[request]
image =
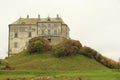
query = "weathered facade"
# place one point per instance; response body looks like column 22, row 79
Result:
column 52, row 29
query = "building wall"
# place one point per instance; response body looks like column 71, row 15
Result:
column 49, row 29
column 55, row 32
column 65, row 31
column 19, row 42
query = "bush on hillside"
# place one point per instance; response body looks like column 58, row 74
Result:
column 108, row 62
column 87, row 51
column 68, row 47
column 37, row 45
column 0, row 61
column 91, row 53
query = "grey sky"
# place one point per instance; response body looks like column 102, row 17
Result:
column 96, row 23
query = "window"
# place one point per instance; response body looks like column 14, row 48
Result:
column 55, row 32
column 23, row 23
column 16, row 35
column 29, row 28
column 43, row 25
column 42, row 32
column 55, row 25
column 21, row 29
column 15, row 44
column 29, row 34
column 48, row 25
column 48, row 31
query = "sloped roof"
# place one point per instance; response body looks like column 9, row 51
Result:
column 35, row 20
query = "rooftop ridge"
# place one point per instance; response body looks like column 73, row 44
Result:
column 35, row 20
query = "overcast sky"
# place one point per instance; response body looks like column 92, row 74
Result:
column 96, row 23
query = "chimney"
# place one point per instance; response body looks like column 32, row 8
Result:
column 27, row 16
column 57, row 16
column 38, row 16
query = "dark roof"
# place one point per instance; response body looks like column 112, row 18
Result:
column 35, row 20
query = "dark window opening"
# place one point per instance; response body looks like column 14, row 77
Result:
column 48, row 25
column 29, row 34
column 16, row 35
column 55, row 32
column 49, row 32
column 49, row 40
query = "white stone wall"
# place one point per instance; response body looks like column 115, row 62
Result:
column 49, row 26
column 22, row 37
column 65, row 31
column 62, row 32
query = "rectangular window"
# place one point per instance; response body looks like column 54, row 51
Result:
column 15, row 45
column 42, row 32
column 29, row 34
column 21, row 29
column 48, row 31
column 29, row 28
column 16, row 35
column 48, row 25
column 55, row 25
column 55, row 32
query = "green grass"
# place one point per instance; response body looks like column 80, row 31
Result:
column 62, row 75
column 47, row 62
column 67, row 68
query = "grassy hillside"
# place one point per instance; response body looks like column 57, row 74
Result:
column 70, row 61
column 43, row 66
column 47, row 62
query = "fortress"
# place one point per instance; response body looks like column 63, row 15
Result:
column 23, row 29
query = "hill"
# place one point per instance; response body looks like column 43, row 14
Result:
column 47, row 62
column 68, row 60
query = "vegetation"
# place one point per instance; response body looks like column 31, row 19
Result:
column 60, row 75
column 37, row 45
column 72, row 47
column 47, row 62
column 58, row 63
column 68, row 47
column 91, row 53
column 75, row 67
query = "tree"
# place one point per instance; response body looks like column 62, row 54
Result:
column 37, row 45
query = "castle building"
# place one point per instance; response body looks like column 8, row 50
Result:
column 23, row 29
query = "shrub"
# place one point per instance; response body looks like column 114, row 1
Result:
column 108, row 62
column 67, row 48
column 37, row 45
column 59, row 52
column 91, row 53
column 0, row 61
column 88, row 52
